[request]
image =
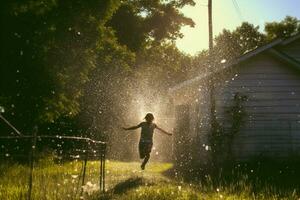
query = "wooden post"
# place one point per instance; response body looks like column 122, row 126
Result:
column 211, row 84
column 102, row 151
column 212, row 92
column 101, row 167
column 103, row 176
column 31, row 161
column 84, row 167
column 210, row 27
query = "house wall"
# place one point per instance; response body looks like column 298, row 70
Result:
column 272, row 122
column 272, row 126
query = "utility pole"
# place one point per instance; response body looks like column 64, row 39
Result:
column 210, row 28
column 211, row 68
column 213, row 119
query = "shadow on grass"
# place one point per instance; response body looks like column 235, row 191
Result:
column 170, row 173
column 128, row 184
column 124, row 186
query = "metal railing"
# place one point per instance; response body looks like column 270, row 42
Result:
column 87, row 152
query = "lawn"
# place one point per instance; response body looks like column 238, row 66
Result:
column 124, row 181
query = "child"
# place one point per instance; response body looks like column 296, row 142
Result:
column 146, row 139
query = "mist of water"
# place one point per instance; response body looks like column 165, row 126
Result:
column 119, row 102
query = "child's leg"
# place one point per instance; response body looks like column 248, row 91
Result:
column 146, row 159
column 147, row 149
column 142, row 150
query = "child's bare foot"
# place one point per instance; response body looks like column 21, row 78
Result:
column 143, row 167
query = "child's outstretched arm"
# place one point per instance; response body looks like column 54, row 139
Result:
column 131, row 128
column 163, row 131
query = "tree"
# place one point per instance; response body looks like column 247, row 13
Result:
column 229, row 45
column 139, row 23
column 47, row 52
column 69, row 65
column 287, row 27
column 249, row 37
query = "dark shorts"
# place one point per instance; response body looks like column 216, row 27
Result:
column 145, row 149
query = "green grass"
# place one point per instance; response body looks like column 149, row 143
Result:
column 124, row 181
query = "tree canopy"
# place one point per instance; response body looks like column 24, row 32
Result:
column 287, row 27
column 58, row 55
column 246, row 37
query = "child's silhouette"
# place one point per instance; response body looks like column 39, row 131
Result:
column 146, row 139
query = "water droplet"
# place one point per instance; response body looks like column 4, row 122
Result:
column 207, row 148
column 74, row 176
column 2, row 110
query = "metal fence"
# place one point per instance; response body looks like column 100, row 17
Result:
column 87, row 149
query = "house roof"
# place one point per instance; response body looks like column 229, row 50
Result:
column 267, row 47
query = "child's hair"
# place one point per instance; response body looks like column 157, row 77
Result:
column 149, row 117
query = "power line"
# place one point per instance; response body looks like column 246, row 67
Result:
column 238, row 10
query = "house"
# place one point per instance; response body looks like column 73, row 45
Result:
column 264, row 85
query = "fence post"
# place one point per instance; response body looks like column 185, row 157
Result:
column 103, row 170
column 84, row 167
column 31, row 160
column 101, row 166
column 102, row 151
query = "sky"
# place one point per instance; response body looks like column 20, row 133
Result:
column 225, row 15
